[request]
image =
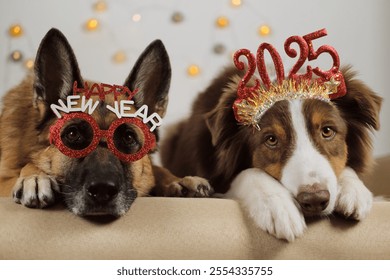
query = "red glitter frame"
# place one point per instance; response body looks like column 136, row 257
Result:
column 55, row 137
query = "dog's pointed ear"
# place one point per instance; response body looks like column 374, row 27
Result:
column 55, row 69
column 151, row 75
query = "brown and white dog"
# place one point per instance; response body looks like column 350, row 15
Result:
column 33, row 170
column 305, row 161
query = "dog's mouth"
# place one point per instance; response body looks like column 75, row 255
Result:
column 115, row 209
column 85, row 204
column 312, row 214
column 112, row 211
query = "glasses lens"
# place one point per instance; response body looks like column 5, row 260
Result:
column 77, row 134
column 128, row 138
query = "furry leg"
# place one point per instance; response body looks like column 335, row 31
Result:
column 168, row 184
column 354, row 199
column 268, row 203
column 34, row 188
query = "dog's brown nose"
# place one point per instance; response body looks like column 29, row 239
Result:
column 102, row 191
column 313, row 201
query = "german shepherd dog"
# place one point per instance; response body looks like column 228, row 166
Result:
column 34, row 171
column 305, row 161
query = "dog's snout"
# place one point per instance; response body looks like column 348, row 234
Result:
column 102, row 191
column 313, row 201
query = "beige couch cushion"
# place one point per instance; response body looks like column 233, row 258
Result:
column 182, row 228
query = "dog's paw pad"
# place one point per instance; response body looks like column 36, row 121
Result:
column 192, row 186
column 36, row 191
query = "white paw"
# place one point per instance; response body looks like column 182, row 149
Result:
column 268, row 203
column 35, row 191
column 354, row 199
column 280, row 217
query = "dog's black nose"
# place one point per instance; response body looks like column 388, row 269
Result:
column 102, row 191
column 314, row 202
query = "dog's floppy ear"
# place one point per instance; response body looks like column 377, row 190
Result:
column 229, row 140
column 55, row 69
column 151, row 75
column 216, row 121
column 360, row 108
column 220, row 119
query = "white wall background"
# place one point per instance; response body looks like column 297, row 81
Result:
column 358, row 29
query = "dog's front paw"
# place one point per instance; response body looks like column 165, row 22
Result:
column 189, row 186
column 268, row 203
column 280, row 217
column 36, row 191
column 354, row 199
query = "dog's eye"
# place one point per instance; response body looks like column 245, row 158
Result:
column 72, row 134
column 129, row 138
column 126, row 140
column 77, row 135
column 327, row 133
column 271, row 141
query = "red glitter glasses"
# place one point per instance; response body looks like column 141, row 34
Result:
column 77, row 134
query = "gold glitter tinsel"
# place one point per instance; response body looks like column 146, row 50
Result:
column 250, row 110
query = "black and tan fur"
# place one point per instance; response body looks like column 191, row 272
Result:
column 33, row 171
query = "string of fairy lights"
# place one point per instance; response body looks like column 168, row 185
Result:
column 94, row 24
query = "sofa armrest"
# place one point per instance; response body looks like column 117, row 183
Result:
column 183, row 228
column 378, row 180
